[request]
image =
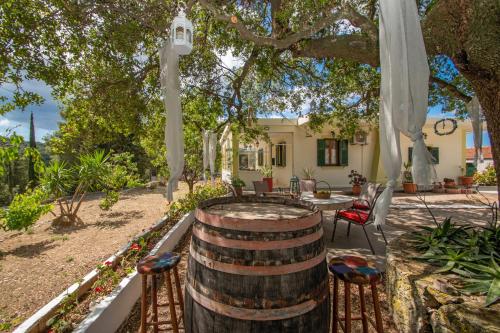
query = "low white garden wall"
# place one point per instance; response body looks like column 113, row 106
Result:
column 112, row 310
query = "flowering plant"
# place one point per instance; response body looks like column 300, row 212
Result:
column 356, row 178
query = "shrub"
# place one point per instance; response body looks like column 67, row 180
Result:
column 191, row 200
column 24, row 210
column 488, row 177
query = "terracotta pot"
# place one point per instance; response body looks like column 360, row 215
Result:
column 453, row 191
column 466, row 191
column 466, row 180
column 269, row 181
column 356, row 189
column 410, row 187
column 450, row 185
column 239, row 191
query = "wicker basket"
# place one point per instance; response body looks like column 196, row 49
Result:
column 322, row 195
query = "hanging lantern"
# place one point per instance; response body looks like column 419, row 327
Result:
column 295, row 186
column 181, row 34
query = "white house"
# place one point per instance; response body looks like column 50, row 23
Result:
column 294, row 147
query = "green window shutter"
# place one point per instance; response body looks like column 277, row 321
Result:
column 321, row 152
column 344, row 152
column 410, row 154
column 435, row 154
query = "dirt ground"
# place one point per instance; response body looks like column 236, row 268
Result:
column 38, row 265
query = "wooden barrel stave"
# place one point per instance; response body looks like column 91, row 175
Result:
column 234, row 285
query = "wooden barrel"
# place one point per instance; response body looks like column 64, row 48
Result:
column 257, row 265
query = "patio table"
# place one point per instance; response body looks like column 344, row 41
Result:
column 335, row 202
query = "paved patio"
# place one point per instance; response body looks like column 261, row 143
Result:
column 405, row 215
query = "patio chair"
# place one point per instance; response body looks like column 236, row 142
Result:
column 260, row 188
column 358, row 217
column 367, row 197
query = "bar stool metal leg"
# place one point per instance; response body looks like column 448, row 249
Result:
column 364, row 319
column 335, row 323
column 171, row 303
column 154, row 301
column 376, row 306
column 347, row 296
column 144, row 303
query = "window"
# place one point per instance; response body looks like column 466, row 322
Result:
column 433, row 150
column 260, row 157
column 332, row 152
column 280, row 158
column 247, row 159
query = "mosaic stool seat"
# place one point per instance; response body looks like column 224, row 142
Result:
column 360, row 272
column 354, row 270
column 156, row 266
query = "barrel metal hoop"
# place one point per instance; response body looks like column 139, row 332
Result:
column 257, row 245
column 256, row 270
column 258, row 225
column 256, row 314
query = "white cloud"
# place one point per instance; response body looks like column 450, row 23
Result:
column 4, row 122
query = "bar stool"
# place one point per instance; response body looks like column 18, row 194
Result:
column 154, row 266
column 361, row 272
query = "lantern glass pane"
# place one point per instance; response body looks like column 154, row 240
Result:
column 179, row 32
column 189, row 37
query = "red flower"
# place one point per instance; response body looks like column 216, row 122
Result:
column 108, row 263
column 135, row 247
column 98, row 289
column 50, row 331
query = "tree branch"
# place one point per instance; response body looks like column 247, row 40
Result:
column 280, row 44
column 451, row 88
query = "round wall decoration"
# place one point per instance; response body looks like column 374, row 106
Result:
column 445, row 126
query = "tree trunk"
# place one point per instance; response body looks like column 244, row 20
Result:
column 488, row 93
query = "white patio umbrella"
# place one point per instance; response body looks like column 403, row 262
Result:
column 474, row 109
column 403, row 93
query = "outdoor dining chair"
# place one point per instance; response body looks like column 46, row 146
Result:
column 358, row 217
column 367, row 197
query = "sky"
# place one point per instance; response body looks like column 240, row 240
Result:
column 47, row 115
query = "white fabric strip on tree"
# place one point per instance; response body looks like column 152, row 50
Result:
column 474, row 109
column 404, row 93
column 212, row 155
column 206, row 158
column 174, row 136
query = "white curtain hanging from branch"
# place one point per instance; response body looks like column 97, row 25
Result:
column 403, row 94
column 206, row 158
column 474, row 109
column 174, row 136
column 212, row 153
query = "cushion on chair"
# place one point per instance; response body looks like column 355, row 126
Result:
column 354, row 269
column 158, row 263
column 360, row 205
column 356, row 216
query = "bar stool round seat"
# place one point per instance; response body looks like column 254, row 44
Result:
column 354, row 270
column 157, row 264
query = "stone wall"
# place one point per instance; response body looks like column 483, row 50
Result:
column 422, row 302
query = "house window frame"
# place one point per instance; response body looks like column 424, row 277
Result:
column 280, row 154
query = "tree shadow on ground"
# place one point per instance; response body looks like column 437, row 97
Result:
column 111, row 221
column 68, row 229
column 31, row 250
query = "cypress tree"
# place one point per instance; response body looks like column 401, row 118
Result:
column 31, row 164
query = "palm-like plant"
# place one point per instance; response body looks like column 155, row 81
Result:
column 88, row 175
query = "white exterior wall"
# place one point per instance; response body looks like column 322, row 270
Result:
column 301, row 153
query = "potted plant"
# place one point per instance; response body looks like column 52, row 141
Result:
column 267, row 173
column 438, row 187
column 467, row 180
column 238, row 185
column 449, row 183
column 308, row 183
column 408, row 185
column 356, row 180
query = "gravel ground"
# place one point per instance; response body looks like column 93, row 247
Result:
column 38, row 265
